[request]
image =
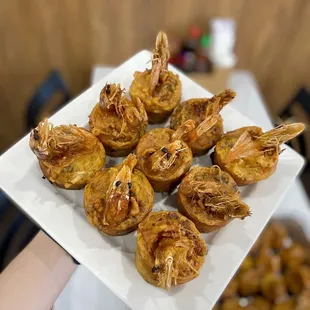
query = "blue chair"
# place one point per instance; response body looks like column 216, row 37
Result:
column 36, row 106
column 43, row 94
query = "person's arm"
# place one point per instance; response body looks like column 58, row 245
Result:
column 36, row 277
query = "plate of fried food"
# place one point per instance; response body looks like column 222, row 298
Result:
column 155, row 185
column 275, row 275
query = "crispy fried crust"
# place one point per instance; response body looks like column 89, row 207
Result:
column 205, row 113
column 75, row 171
column 118, row 122
column 170, row 250
column 158, row 88
column 249, row 155
column 119, row 136
column 166, row 96
column 114, row 206
column 245, row 170
column 209, row 197
column 185, row 111
column 151, row 144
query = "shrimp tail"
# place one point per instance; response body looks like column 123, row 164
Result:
column 217, row 102
column 159, row 61
column 280, row 135
column 207, row 124
column 165, row 277
column 243, row 147
column 130, row 161
column 185, row 132
column 139, row 111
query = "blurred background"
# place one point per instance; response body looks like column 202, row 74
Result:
column 272, row 42
column 53, row 50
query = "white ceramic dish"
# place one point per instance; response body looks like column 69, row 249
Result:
column 111, row 259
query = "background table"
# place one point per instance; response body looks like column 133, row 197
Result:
column 85, row 291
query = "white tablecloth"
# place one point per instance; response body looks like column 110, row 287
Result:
column 85, row 291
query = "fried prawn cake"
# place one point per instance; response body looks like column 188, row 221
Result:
column 293, row 256
column 208, row 122
column 249, row 155
column 68, row 155
column 159, row 89
column 170, row 250
column 118, row 122
column 297, row 279
column 275, row 236
column 273, row 286
column 164, row 157
column 249, row 282
column 209, row 197
column 117, row 199
column 268, row 261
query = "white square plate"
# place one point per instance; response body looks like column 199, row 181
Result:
column 111, row 259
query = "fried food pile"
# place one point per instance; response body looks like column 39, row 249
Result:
column 117, row 199
column 210, row 198
column 250, row 155
column 68, row 155
column 158, row 88
column 118, row 122
column 208, row 122
column 170, row 250
column 164, row 157
column 274, row 276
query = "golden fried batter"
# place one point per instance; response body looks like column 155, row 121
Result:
column 274, row 237
column 117, row 199
column 170, row 250
column 249, row 155
column 209, row 197
column 298, row 279
column 68, row 155
column 293, row 256
column 158, row 88
column 208, row 122
column 267, row 261
column 279, row 235
column 118, row 122
column 249, row 282
column 274, row 276
column 163, row 157
column 273, row 286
